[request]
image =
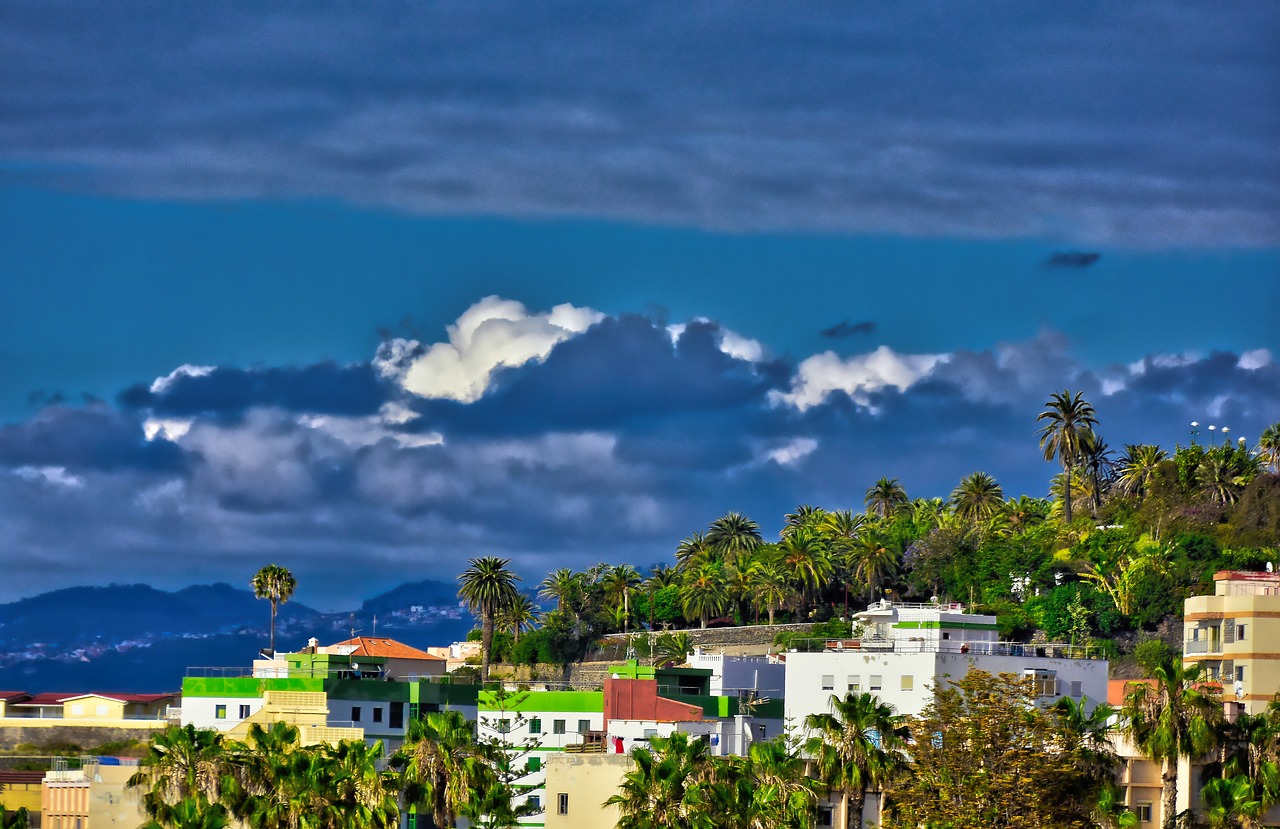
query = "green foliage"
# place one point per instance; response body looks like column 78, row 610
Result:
column 1151, row 653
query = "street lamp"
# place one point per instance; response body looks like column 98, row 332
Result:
column 1195, row 432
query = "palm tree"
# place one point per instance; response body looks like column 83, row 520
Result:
column 1217, row 477
column 673, row 646
column 804, row 516
column 1067, row 417
column 692, row 551
column 978, row 497
column 1251, row 749
column 767, row 789
column 188, row 813
column 806, row 558
column 1025, row 512
column 885, row 497
column 277, row 584
column 182, row 763
column 617, row 584
column 517, row 616
column 1087, row 732
column 669, row 788
column 1137, row 468
column 1230, row 802
column 873, row 565
column 856, row 747
column 357, row 795
column 442, row 767
column 734, row 535
column 562, row 585
column 661, row 575
column 487, row 586
column 770, row 585
column 1095, row 455
column 1171, row 719
column 703, row 593
column 1269, row 447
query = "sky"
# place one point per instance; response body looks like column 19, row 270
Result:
column 367, row 291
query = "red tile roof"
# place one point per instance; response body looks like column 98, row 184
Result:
column 145, row 699
column 8, row 696
column 381, row 646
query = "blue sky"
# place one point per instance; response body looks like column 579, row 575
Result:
column 451, row 280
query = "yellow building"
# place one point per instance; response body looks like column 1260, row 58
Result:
column 577, row 787
column 1235, row 635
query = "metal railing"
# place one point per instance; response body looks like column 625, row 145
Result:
column 1193, row 646
column 1046, row 650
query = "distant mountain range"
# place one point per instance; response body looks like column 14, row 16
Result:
column 135, row 638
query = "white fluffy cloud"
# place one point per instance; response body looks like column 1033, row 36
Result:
column 857, row 376
column 730, row 342
column 493, row 333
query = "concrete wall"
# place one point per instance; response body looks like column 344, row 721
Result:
column 587, row 781
column 17, row 731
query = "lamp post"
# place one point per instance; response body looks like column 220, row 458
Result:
column 1226, row 441
column 1195, row 432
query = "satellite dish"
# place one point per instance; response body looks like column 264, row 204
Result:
column 355, row 666
column 1239, row 690
column 1271, row 568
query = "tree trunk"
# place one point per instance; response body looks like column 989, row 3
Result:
column 853, row 818
column 771, row 614
column 486, row 642
column 1169, row 798
column 273, row 628
column 1066, row 493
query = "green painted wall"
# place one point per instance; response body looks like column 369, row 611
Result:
column 552, row 701
column 244, row 686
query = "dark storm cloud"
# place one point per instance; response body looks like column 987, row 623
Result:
column 618, row 428
column 95, row 438
column 844, row 328
column 324, row 388
column 1072, row 259
column 1144, row 123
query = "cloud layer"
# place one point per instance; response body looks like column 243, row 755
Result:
column 562, row 437
column 1143, row 123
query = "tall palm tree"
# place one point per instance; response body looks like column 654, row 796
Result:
column 1229, row 802
column 562, row 585
column 873, row 565
column 1171, row 719
column 770, row 585
column 517, row 616
column 767, row 789
column 703, row 593
column 182, row 763
column 1137, row 468
column 1087, row 731
column 487, row 586
column 356, row 794
column 1067, row 416
column 734, row 536
column 693, row 551
column 188, row 813
column 276, row 584
column 661, row 575
column 1096, row 458
column 1218, row 479
column 669, row 787
column 1269, row 447
column 618, row 583
column 857, row 746
column 978, row 497
column 804, row 516
column 442, row 767
column 806, row 557
column 885, row 497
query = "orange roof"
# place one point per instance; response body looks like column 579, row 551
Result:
column 380, row 646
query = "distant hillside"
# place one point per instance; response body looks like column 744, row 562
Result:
column 135, row 638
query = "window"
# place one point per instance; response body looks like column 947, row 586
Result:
column 1076, row 688
column 244, row 712
column 876, row 682
column 77, row 710
column 219, row 712
column 1045, row 682
column 584, row 726
column 535, row 764
column 535, row 802
column 377, row 714
column 557, row 726
column 1143, row 810
column 397, row 715
column 101, row 710
column 853, row 684
column 1240, row 633
column 908, row 683
column 760, row 731
column 824, row 816
column 355, row 713
column 502, row 726
column 562, row 803
column 1239, row 673
column 535, row 726
column 946, row 634
column 828, row 682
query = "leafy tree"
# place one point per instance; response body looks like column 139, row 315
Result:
column 487, row 586
column 1172, row 718
column 1066, row 418
column 856, row 747
column 275, row 584
column 985, row 756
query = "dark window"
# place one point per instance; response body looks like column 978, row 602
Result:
column 535, row 802
column 562, row 803
column 244, row 712
column 535, row 726
column 220, row 712
column 584, row 726
column 535, row 764
column 377, row 714
column 397, row 715
column 557, row 726
column 355, row 713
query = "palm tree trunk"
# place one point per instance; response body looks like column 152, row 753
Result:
column 486, row 642
column 771, row 613
column 273, row 627
column 853, row 819
column 1066, row 493
column 1169, row 797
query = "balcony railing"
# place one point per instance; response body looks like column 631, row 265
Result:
column 1194, row 646
column 873, row 644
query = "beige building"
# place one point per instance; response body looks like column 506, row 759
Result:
column 1235, row 635
column 577, row 787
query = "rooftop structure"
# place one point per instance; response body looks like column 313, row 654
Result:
column 1232, row 634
